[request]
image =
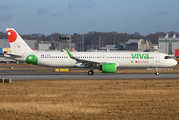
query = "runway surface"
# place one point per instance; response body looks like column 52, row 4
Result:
column 84, row 76
column 28, row 72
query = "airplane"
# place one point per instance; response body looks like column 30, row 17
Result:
column 107, row 62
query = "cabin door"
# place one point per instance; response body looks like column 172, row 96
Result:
column 157, row 57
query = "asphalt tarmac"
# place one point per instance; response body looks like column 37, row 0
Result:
column 28, row 72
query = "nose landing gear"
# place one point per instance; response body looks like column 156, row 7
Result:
column 156, row 71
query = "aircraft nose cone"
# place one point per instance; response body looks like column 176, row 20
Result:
column 174, row 62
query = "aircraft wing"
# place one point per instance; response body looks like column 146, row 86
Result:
column 85, row 63
column 9, row 55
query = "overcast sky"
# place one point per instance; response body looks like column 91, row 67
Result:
column 83, row 16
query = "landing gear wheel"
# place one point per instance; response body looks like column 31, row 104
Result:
column 156, row 73
column 91, row 72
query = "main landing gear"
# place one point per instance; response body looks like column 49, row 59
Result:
column 91, row 72
column 156, row 71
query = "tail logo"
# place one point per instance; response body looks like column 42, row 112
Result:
column 32, row 59
column 12, row 36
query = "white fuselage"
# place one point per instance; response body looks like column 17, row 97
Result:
column 122, row 59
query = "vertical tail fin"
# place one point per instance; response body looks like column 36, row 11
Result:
column 17, row 44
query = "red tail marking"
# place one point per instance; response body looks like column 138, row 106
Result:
column 12, row 36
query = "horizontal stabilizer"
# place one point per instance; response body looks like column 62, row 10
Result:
column 12, row 55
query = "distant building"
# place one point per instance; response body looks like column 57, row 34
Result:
column 168, row 44
column 45, row 45
column 65, row 42
column 135, row 45
column 151, row 47
column 64, row 45
column 4, row 43
column 112, row 47
column 42, row 45
column 139, row 45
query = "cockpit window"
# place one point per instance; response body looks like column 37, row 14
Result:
column 167, row 57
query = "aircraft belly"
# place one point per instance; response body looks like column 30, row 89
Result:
column 55, row 63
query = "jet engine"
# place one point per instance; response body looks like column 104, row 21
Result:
column 108, row 67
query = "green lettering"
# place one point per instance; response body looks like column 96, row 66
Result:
column 137, row 56
column 133, row 56
column 146, row 56
column 141, row 56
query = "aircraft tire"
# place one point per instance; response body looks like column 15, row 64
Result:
column 156, row 73
column 91, row 72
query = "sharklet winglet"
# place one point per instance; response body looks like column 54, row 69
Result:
column 69, row 54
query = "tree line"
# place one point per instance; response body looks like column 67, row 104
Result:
column 92, row 38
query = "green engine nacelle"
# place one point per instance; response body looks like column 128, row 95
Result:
column 108, row 68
